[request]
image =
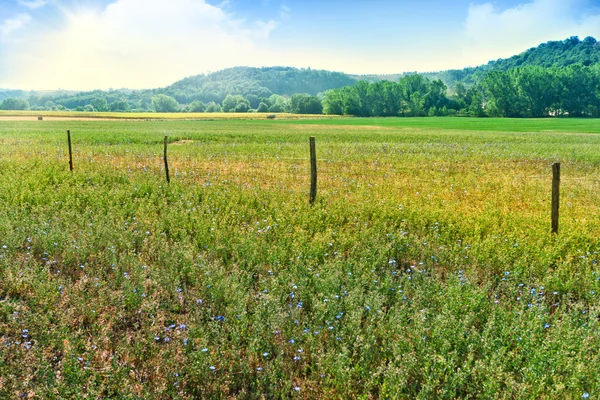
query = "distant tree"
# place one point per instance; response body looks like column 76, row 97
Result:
column 242, row 105
column 333, row 102
column 254, row 100
column 213, row 107
column 100, row 104
column 120, row 106
column 229, row 103
column 475, row 102
column 14, row 104
column 197, row 107
column 577, row 90
column 89, row 108
column 278, row 104
column 501, row 94
column 305, row 104
column 263, row 107
column 164, row 103
column 277, row 108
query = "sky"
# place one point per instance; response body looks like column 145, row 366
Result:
column 102, row 44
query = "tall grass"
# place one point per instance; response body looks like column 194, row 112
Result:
column 424, row 270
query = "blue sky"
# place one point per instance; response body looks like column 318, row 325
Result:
column 85, row 44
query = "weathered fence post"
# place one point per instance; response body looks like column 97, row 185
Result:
column 555, row 196
column 166, row 162
column 70, row 151
column 313, row 170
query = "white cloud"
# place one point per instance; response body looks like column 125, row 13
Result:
column 33, row 4
column 13, row 24
column 136, row 44
column 491, row 33
column 265, row 28
column 284, row 13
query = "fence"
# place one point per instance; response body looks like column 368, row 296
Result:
column 555, row 204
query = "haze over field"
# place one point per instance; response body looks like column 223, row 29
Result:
column 83, row 44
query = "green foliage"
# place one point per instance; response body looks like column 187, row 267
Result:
column 277, row 103
column 100, row 104
column 540, row 82
column 243, row 105
column 540, row 92
column 413, row 95
column 213, row 107
column 551, row 54
column 120, row 106
column 14, row 104
column 263, row 107
column 305, row 104
column 164, row 103
column 6, row 94
column 235, row 103
column 197, row 106
column 255, row 84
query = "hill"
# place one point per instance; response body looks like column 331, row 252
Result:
column 286, row 81
column 550, row 54
column 270, row 84
column 255, row 83
column 8, row 93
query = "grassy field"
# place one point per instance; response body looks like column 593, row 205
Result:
column 156, row 116
column 426, row 268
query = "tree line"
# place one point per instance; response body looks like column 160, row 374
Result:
column 302, row 103
column 530, row 91
column 535, row 92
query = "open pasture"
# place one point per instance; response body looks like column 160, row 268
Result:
column 426, row 268
column 77, row 115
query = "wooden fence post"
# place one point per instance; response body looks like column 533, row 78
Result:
column 166, row 162
column 555, row 196
column 70, row 151
column 313, row 170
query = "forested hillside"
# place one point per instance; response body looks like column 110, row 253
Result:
column 558, row 78
column 255, row 83
column 550, row 54
column 6, row 93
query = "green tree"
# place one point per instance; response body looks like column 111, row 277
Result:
column 197, row 106
column 502, row 96
column 254, row 100
column 14, row 104
column 120, row 106
column 278, row 103
column 242, row 105
column 100, row 104
column 577, row 90
column 164, row 103
column 229, row 103
column 333, row 102
column 213, row 107
column 305, row 104
column 263, row 107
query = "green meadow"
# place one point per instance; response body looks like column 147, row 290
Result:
column 425, row 269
